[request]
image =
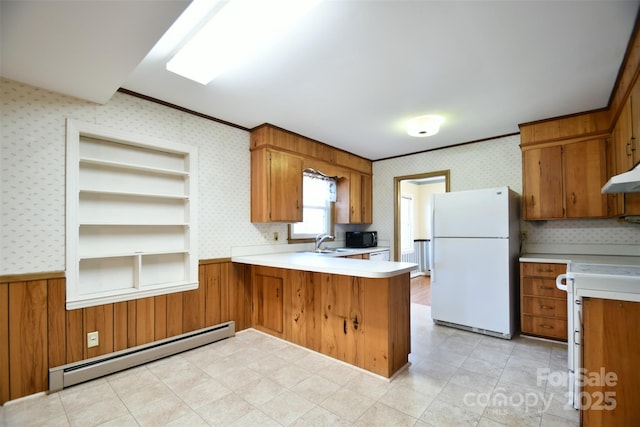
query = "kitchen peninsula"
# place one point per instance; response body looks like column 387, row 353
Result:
column 357, row 311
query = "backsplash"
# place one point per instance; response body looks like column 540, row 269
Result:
column 495, row 163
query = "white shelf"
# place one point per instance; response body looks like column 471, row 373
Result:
column 132, row 224
column 131, row 216
column 132, row 166
column 129, row 254
column 135, row 194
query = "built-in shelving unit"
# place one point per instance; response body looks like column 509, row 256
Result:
column 131, row 216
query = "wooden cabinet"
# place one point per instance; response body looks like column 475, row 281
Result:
column 268, row 288
column 361, row 321
column 341, row 320
column 610, row 346
column 278, row 158
column 624, row 152
column 354, row 199
column 585, row 172
column 543, row 307
column 542, row 183
column 276, row 186
column 564, row 181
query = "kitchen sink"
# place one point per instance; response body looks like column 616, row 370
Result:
column 329, row 251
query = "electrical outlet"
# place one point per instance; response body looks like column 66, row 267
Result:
column 275, row 236
column 523, row 235
column 92, row 339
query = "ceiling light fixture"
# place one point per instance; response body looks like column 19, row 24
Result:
column 232, row 34
column 424, row 125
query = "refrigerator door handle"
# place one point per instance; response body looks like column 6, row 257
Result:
column 431, row 261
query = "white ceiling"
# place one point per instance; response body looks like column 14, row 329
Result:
column 351, row 72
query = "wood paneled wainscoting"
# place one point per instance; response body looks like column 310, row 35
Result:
column 38, row 333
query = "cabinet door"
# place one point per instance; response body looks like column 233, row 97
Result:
column 367, row 199
column 285, row 187
column 341, row 318
column 543, row 196
column 354, row 204
column 355, row 199
column 624, row 134
column 267, row 299
column 625, row 153
column 610, row 343
column 585, row 173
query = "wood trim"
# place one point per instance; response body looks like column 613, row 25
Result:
column 179, row 108
column 304, row 137
column 214, row 261
column 56, row 300
column 60, row 335
column 5, row 379
column 160, row 320
column 448, row 146
column 27, row 277
column 565, row 116
column 120, row 322
column 28, row 351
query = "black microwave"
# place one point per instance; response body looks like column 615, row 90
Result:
column 361, row 239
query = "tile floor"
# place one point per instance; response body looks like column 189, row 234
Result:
column 456, row 378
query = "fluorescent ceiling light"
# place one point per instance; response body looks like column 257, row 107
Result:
column 235, row 32
column 424, row 126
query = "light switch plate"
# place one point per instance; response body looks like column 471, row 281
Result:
column 92, row 339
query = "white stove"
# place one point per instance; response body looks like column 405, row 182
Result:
column 610, row 278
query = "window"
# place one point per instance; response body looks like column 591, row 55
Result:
column 406, row 224
column 318, row 191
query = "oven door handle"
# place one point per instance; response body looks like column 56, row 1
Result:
column 561, row 282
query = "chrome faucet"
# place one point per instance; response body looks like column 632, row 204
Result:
column 321, row 238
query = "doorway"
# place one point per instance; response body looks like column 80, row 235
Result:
column 412, row 227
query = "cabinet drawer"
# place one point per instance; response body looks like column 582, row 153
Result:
column 542, row 288
column 544, row 307
column 544, row 327
column 538, row 269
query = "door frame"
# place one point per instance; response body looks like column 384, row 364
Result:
column 398, row 199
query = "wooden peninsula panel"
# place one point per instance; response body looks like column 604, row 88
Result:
column 358, row 320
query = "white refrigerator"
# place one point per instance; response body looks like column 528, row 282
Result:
column 474, row 260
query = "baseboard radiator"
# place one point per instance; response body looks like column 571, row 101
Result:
column 85, row 370
column 420, row 256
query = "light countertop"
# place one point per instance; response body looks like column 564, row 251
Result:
column 580, row 258
column 321, row 263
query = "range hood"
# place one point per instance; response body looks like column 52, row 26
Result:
column 627, row 182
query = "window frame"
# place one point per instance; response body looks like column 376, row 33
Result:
column 329, row 228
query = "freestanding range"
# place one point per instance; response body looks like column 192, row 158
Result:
column 473, row 260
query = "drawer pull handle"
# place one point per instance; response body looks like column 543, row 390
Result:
column 547, row 288
column 546, row 307
column 546, row 327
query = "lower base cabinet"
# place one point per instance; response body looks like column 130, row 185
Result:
column 361, row 321
column 610, row 358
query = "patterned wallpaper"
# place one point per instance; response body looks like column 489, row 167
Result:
column 32, row 173
column 32, row 176
column 485, row 164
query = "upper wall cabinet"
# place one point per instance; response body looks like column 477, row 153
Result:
column 564, row 166
column 625, row 151
column 278, row 158
column 353, row 205
column 542, row 183
column 131, row 216
column 276, row 186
